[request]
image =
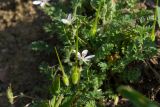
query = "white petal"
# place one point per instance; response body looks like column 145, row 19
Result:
column 78, row 55
column 69, row 17
column 42, row 4
column 37, row 2
column 85, row 60
column 27, row 105
column 84, row 53
column 74, row 51
column 45, row 1
column 89, row 57
column 65, row 21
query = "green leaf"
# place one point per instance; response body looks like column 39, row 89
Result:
column 113, row 7
column 94, row 4
column 40, row 46
column 67, row 102
column 104, row 50
column 91, row 104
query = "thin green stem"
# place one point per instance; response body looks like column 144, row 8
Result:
column 76, row 7
column 52, row 101
column 60, row 63
column 154, row 23
column 76, row 46
column 94, row 28
column 66, row 35
column 59, row 101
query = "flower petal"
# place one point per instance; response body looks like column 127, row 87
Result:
column 65, row 21
column 69, row 17
column 37, row 2
column 78, row 54
column 45, row 1
column 42, row 4
column 84, row 53
column 74, row 51
column 89, row 57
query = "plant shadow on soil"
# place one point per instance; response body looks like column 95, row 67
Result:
column 18, row 63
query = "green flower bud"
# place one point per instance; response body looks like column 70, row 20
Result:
column 75, row 78
column 65, row 80
column 10, row 95
column 75, row 75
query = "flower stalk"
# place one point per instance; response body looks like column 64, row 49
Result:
column 64, row 76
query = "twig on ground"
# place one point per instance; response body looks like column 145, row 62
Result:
column 157, row 75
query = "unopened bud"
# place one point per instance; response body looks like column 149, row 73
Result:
column 65, row 80
column 75, row 75
column 10, row 95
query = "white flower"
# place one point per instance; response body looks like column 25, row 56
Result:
column 69, row 19
column 99, row 90
column 83, row 56
column 42, row 3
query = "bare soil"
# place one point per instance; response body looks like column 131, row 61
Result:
column 20, row 26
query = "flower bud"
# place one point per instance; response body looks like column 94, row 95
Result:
column 65, row 80
column 75, row 75
column 75, row 78
column 10, row 95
